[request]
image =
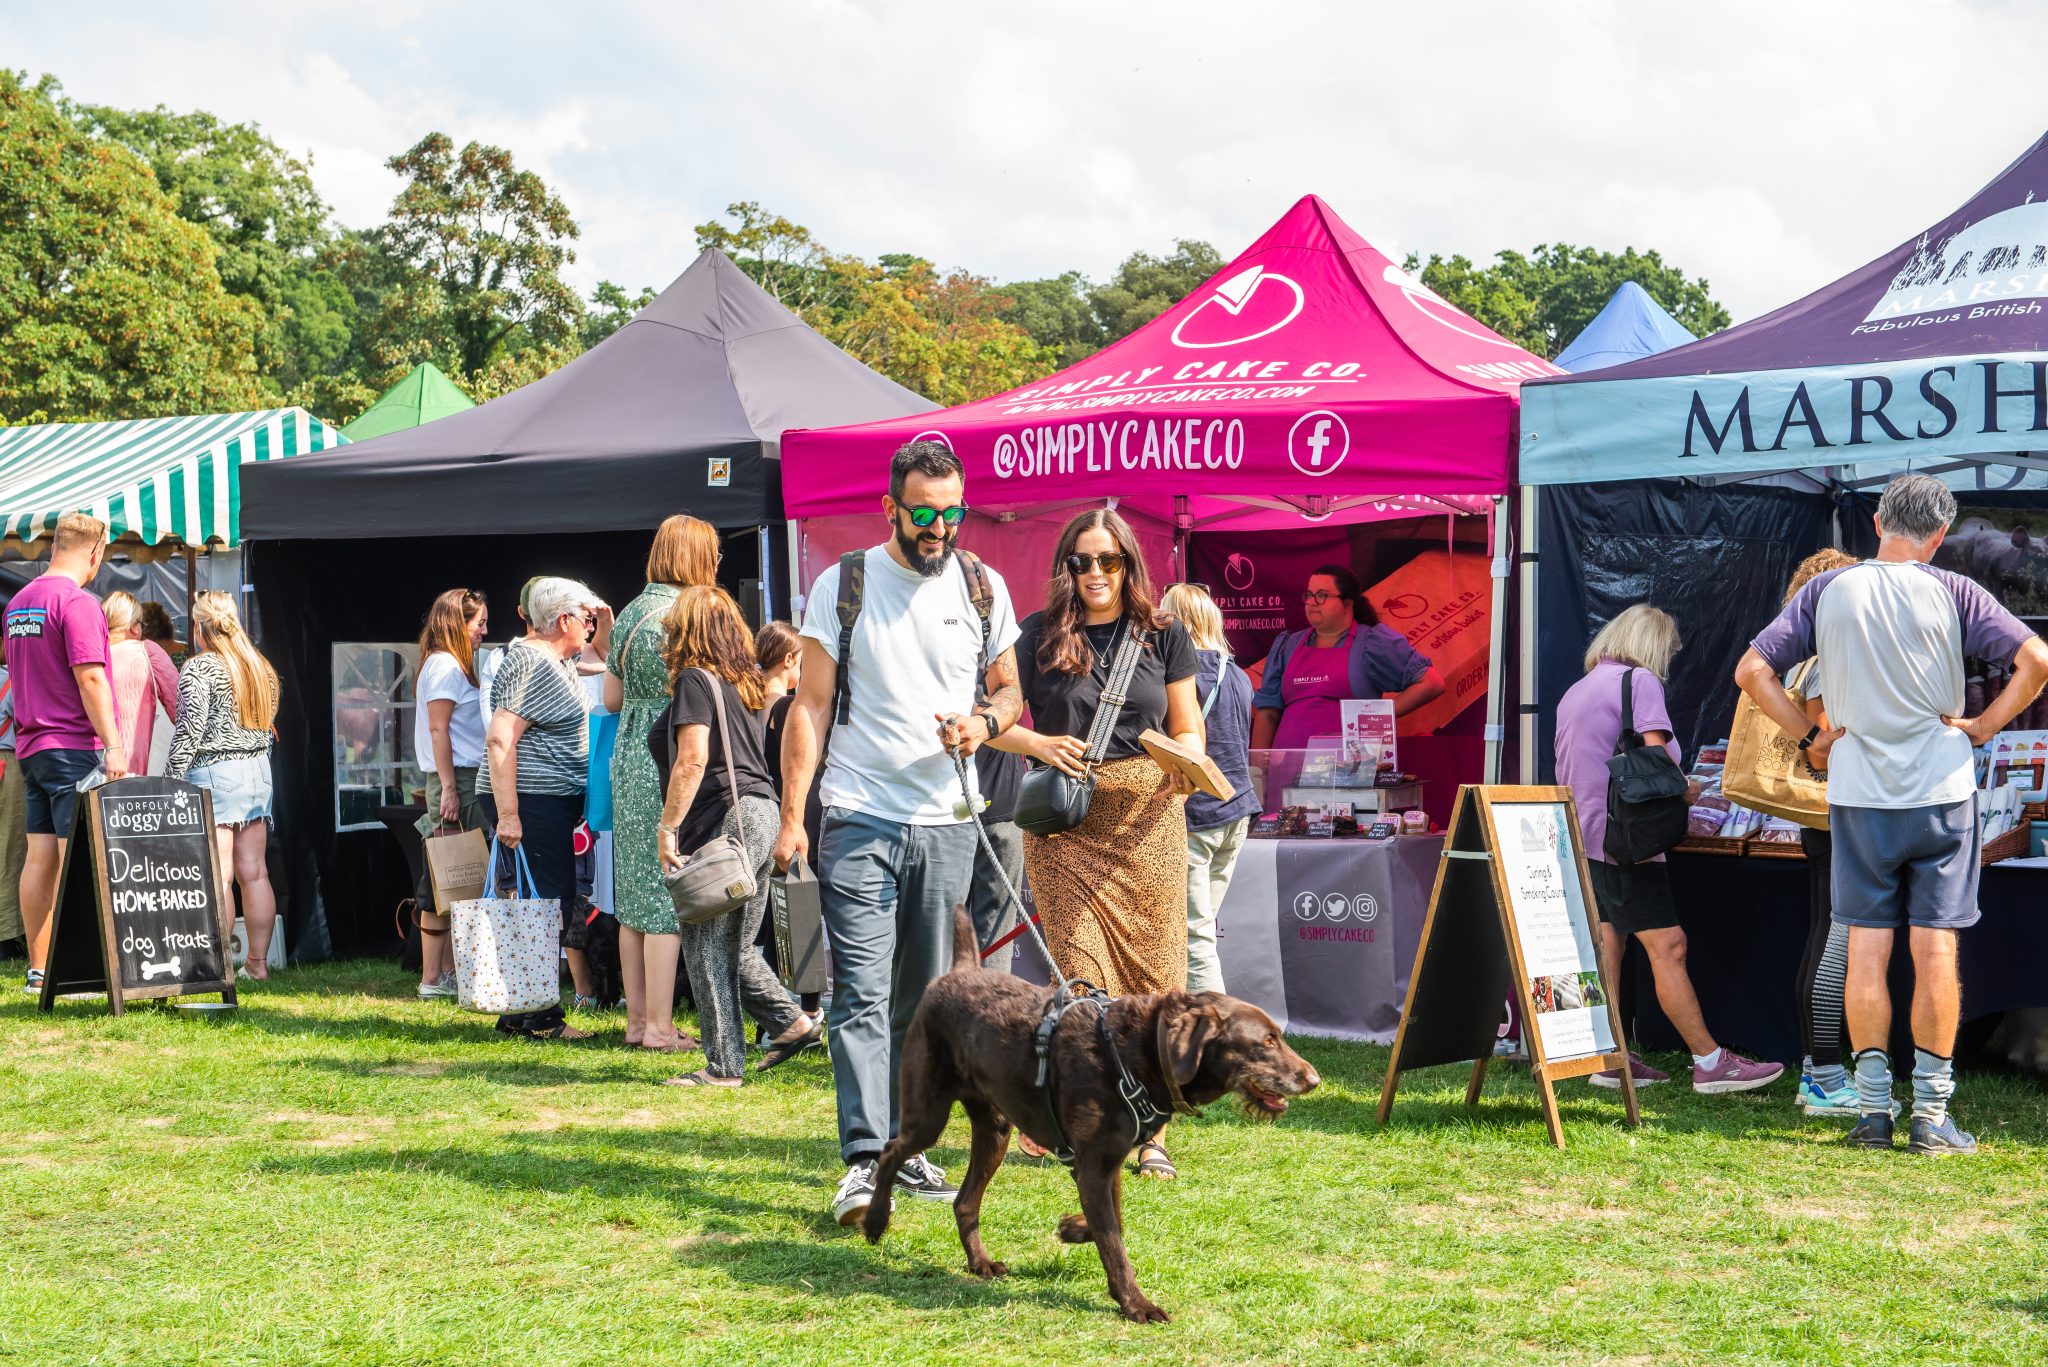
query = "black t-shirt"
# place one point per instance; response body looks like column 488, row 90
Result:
column 998, row 774
column 773, row 720
column 692, row 706
column 1064, row 704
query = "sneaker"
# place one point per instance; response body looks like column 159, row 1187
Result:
column 1941, row 1140
column 35, row 982
column 434, row 991
column 1815, row 1100
column 1873, row 1131
column 1735, row 1074
column 856, row 1191
column 926, row 1180
column 1645, row 1075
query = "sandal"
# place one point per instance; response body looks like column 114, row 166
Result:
column 563, row 1031
column 684, row 1044
column 784, row 1052
column 703, row 1077
column 1153, row 1162
column 1030, row 1147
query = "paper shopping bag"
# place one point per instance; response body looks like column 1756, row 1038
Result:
column 1766, row 770
column 455, row 863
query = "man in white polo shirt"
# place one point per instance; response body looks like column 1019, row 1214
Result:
column 1892, row 634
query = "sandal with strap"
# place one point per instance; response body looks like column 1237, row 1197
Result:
column 703, row 1077
column 782, row 1053
column 1153, row 1162
column 683, row 1044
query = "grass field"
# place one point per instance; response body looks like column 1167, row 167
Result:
column 347, row 1175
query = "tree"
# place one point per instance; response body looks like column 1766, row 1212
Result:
column 611, row 308
column 260, row 207
column 111, row 305
column 1146, row 286
column 1545, row 299
column 1057, row 313
column 781, row 257
column 492, row 239
column 941, row 335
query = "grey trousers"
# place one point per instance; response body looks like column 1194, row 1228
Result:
column 727, row 972
column 1212, row 858
column 888, row 891
column 995, row 915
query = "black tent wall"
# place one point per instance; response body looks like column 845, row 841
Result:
column 1716, row 558
column 344, row 886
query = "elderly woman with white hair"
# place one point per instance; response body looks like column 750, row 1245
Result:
column 537, row 753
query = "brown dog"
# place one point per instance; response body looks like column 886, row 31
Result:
column 971, row 1042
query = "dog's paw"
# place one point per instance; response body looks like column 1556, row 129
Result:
column 1142, row 1311
column 988, row 1269
column 1074, row 1230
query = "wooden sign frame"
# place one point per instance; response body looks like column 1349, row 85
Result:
column 1456, row 996
column 84, row 954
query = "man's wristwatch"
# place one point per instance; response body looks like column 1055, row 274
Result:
column 988, row 719
column 1807, row 739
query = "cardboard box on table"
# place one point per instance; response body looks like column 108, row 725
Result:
column 1443, row 604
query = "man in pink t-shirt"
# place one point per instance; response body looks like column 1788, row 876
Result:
column 63, row 710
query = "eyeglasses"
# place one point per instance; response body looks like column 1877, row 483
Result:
column 1318, row 597
column 1109, row 562
column 924, row 517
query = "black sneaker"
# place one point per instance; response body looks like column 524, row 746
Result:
column 856, row 1190
column 926, row 1180
column 1873, row 1131
column 1940, row 1140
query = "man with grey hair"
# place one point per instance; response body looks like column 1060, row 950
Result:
column 1892, row 634
column 537, row 753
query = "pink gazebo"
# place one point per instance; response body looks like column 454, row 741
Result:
column 1312, row 382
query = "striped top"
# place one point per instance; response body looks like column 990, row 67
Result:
column 209, row 729
column 554, row 751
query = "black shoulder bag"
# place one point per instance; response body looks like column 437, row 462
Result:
column 1050, row 800
column 1646, row 812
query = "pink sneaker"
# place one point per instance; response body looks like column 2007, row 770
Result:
column 1735, row 1073
column 1645, row 1075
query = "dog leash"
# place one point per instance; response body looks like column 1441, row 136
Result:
column 1147, row 1117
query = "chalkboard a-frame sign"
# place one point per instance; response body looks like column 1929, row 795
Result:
column 141, row 912
column 1512, row 916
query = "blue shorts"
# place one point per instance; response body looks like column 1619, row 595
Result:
column 1906, row 865
column 50, row 787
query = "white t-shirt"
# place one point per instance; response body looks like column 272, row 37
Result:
column 441, row 680
column 916, row 654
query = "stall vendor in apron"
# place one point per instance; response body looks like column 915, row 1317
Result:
column 1344, row 653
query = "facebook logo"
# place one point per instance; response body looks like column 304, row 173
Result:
column 1318, row 442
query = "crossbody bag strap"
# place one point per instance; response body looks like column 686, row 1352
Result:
column 732, row 779
column 1123, row 667
column 1222, row 673
column 1627, row 740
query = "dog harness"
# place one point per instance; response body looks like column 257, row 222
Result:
column 1147, row 1117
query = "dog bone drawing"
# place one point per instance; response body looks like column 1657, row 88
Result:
column 169, row 969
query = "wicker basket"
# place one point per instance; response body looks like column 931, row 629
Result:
column 2014, row 844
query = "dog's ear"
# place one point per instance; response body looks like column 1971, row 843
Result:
column 1184, row 1034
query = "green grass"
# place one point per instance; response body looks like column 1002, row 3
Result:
column 347, row 1175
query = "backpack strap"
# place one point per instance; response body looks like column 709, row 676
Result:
column 853, row 576
column 982, row 594
column 1628, row 739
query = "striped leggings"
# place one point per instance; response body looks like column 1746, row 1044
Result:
column 1825, row 964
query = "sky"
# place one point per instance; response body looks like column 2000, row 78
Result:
column 1768, row 147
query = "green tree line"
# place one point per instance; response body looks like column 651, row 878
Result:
column 157, row 262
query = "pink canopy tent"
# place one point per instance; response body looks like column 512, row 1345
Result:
column 1312, row 381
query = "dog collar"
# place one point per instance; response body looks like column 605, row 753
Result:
column 1180, row 1103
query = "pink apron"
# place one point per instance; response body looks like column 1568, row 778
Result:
column 1318, row 679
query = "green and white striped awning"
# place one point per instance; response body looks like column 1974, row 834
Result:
column 151, row 480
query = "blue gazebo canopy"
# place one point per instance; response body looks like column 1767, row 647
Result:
column 1632, row 326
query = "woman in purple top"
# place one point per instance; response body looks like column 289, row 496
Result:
column 1637, row 646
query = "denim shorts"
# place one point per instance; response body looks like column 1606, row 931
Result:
column 240, row 786
column 50, row 787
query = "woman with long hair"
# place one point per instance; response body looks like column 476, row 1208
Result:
column 447, row 747
column 1216, row 829
column 227, row 700
column 1111, row 893
column 638, row 687
column 142, row 675
column 779, row 653
column 710, row 729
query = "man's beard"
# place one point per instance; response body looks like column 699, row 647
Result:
column 931, row 567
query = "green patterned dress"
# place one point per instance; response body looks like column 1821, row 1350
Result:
column 637, row 639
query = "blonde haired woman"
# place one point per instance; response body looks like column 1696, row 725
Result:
column 1637, row 648
column 227, row 700
column 1216, row 830
column 143, row 677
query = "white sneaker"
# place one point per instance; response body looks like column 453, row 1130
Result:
column 856, row 1190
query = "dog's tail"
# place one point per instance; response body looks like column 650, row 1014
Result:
column 966, row 949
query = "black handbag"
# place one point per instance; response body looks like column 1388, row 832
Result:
column 1050, row 800
column 1646, row 810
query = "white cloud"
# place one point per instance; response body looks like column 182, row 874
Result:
column 1769, row 147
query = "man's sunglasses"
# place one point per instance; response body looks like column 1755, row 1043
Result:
column 924, row 517
column 1110, row 562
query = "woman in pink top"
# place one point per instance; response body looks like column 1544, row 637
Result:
column 143, row 677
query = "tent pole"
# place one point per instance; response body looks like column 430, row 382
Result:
column 796, row 571
column 764, row 553
column 1497, row 640
column 1525, row 724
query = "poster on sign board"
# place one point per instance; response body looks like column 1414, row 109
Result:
column 1552, row 924
column 1369, row 735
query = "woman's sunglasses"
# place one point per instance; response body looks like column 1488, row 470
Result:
column 1318, row 597
column 1109, row 562
column 924, row 517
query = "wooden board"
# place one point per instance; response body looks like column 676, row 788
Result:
column 1497, row 911
column 141, row 911
column 1192, row 765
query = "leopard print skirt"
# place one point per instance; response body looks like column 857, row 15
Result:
column 1112, row 894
